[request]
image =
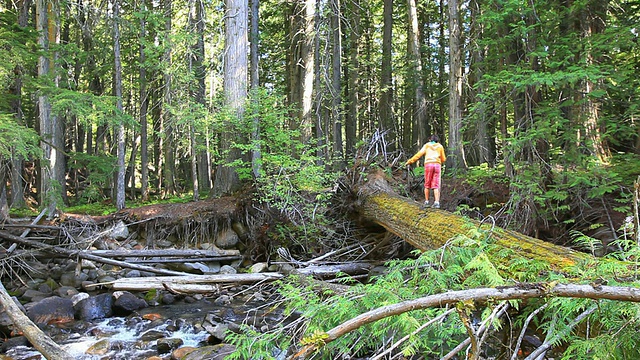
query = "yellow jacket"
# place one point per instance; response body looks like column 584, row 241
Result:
column 433, row 153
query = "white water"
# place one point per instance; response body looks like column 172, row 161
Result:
column 124, row 341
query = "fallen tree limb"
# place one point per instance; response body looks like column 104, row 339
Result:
column 516, row 292
column 164, row 253
column 175, row 282
column 43, row 343
column 84, row 255
column 201, row 283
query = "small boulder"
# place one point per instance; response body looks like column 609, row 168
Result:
column 95, row 307
column 119, row 231
column 126, row 303
column 53, row 309
column 166, row 345
column 215, row 352
column 227, row 239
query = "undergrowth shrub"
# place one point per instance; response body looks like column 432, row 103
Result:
column 465, row 262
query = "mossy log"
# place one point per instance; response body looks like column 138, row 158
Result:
column 428, row 229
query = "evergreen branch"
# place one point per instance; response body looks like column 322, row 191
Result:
column 515, row 292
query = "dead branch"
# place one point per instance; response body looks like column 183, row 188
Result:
column 84, row 255
column 542, row 349
column 520, row 291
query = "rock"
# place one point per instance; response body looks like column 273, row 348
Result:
column 119, row 231
column 227, row 239
column 152, row 335
column 45, row 289
column 168, row 299
column 79, row 297
column 166, row 345
column 88, row 264
column 214, row 267
column 258, row 267
column 180, row 353
column 33, row 295
column 100, row 348
column 66, row 291
column 192, row 268
column 95, row 307
column 70, row 279
column 126, row 303
column 226, row 269
column 132, row 274
column 223, row 300
column 13, row 342
column 51, row 310
column 215, row 352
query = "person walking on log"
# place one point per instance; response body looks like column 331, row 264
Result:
column 434, row 157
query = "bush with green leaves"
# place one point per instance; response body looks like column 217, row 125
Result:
column 466, row 262
column 292, row 178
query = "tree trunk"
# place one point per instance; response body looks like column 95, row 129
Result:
column 353, row 86
column 256, row 154
column 144, row 107
column 120, row 183
column 52, row 174
column 336, row 81
column 386, row 74
column 168, row 150
column 235, row 91
column 17, row 162
column 419, row 121
column 455, row 146
column 431, row 228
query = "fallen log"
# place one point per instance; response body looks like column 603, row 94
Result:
column 84, row 255
column 428, row 229
column 164, row 253
column 203, row 283
column 180, row 282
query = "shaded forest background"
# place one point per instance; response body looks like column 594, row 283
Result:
column 115, row 101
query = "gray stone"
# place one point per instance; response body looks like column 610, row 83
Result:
column 119, row 231
column 166, row 345
column 126, row 303
column 51, row 309
column 226, row 269
column 258, row 267
column 95, row 307
column 227, row 239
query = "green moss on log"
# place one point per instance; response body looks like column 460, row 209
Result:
column 428, row 229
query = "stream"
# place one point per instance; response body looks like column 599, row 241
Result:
column 139, row 336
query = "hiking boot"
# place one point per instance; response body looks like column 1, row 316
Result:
column 436, row 205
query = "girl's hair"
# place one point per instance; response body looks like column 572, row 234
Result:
column 434, row 138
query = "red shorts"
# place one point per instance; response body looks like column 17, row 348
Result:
column 432, row 176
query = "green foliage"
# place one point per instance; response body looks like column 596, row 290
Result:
column 17, row 140
column 289, row 171
column 98, row 169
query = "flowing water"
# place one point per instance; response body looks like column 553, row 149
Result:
column 135, row 336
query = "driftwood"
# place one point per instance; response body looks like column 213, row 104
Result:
column 428, row 229
column 206, row 283
column 84, row 255
column 180, row 282
column 31, row 331
column 521, row 291
column 164, row 253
